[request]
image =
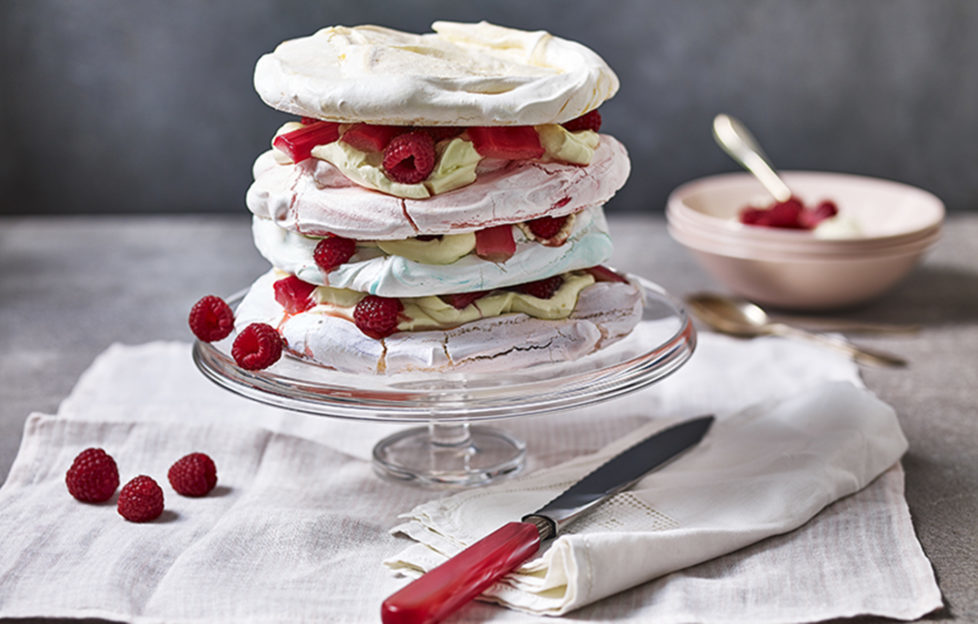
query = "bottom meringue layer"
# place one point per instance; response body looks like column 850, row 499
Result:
column 604, row 313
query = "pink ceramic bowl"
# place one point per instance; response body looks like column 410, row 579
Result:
column 796, row 269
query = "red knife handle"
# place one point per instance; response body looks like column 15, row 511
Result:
column 463, row 577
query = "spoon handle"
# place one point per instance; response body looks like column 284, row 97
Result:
column 860, row 354
column 815, row 323
column 740, row 144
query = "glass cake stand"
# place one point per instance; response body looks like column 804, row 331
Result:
column 448, row 449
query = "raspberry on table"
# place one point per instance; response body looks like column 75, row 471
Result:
column 211, row 319
column 546, row 227
column 542, row 289
column 257, row 346
column 193, row 475
column 93, row 476
column 377, row 316
column 333, row 251
column 409, row 158
column 587, row 121
column 141, row 500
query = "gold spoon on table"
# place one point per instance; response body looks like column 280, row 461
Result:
column 742, row 318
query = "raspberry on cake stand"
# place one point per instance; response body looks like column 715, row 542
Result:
column 447, row 449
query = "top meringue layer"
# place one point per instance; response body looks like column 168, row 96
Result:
column 462, row 74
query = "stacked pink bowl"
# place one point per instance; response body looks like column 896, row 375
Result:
column 881, row 231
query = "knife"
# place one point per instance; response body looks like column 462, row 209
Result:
column 446, row 588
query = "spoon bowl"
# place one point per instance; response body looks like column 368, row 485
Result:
column 738, row 317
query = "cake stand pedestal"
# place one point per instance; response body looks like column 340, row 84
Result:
column 449, row 450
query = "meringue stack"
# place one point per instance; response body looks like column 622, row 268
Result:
column 494, row 257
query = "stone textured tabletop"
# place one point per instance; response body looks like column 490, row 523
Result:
column 70, row 287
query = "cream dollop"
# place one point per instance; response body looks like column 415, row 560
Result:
column 462, row 74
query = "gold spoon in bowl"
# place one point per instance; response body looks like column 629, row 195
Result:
column 742, row 318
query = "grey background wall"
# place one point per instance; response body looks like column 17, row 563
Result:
column 114, row 106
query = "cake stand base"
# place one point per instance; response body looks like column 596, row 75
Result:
column 450, row 454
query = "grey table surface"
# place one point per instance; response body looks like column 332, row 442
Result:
column 71, row 286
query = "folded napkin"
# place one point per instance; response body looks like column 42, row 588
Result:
column 299, row 525
column 763, row 471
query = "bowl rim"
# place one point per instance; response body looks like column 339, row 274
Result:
column 680, row 209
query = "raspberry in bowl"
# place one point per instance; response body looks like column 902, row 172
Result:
column 880, row 231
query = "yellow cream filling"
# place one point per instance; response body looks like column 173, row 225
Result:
column 432, row 312
column 573, row 147
column 444, row 250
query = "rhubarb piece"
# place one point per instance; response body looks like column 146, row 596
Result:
column 587, row 121
column 604, row 274
column 293, row 294
column 495, row 244
column 298, row 144
column 509, row 142
column 462, row 300
column 370, row 138
column 409, row 158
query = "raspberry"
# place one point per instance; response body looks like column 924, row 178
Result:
column 93, row 476
column 141, row 500
column 546, row 227
column 409, row 158
column 333, row 251
column 587, row 121
column 542, row 289
column 753, row 216
column 811, row 217
column 193, row 475
column 377, row 316
column 211, row 319
column 785, row 214
column 257, row 346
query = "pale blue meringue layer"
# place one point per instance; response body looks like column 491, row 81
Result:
column 371, row 271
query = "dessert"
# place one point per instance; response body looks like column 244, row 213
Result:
column 438, row 205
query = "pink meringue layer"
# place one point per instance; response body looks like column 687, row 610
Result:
column 315, row 198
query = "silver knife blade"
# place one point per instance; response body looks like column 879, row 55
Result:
column 619, row 473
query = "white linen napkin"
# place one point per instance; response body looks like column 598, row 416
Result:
column 299, row 526
column 763, row 471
